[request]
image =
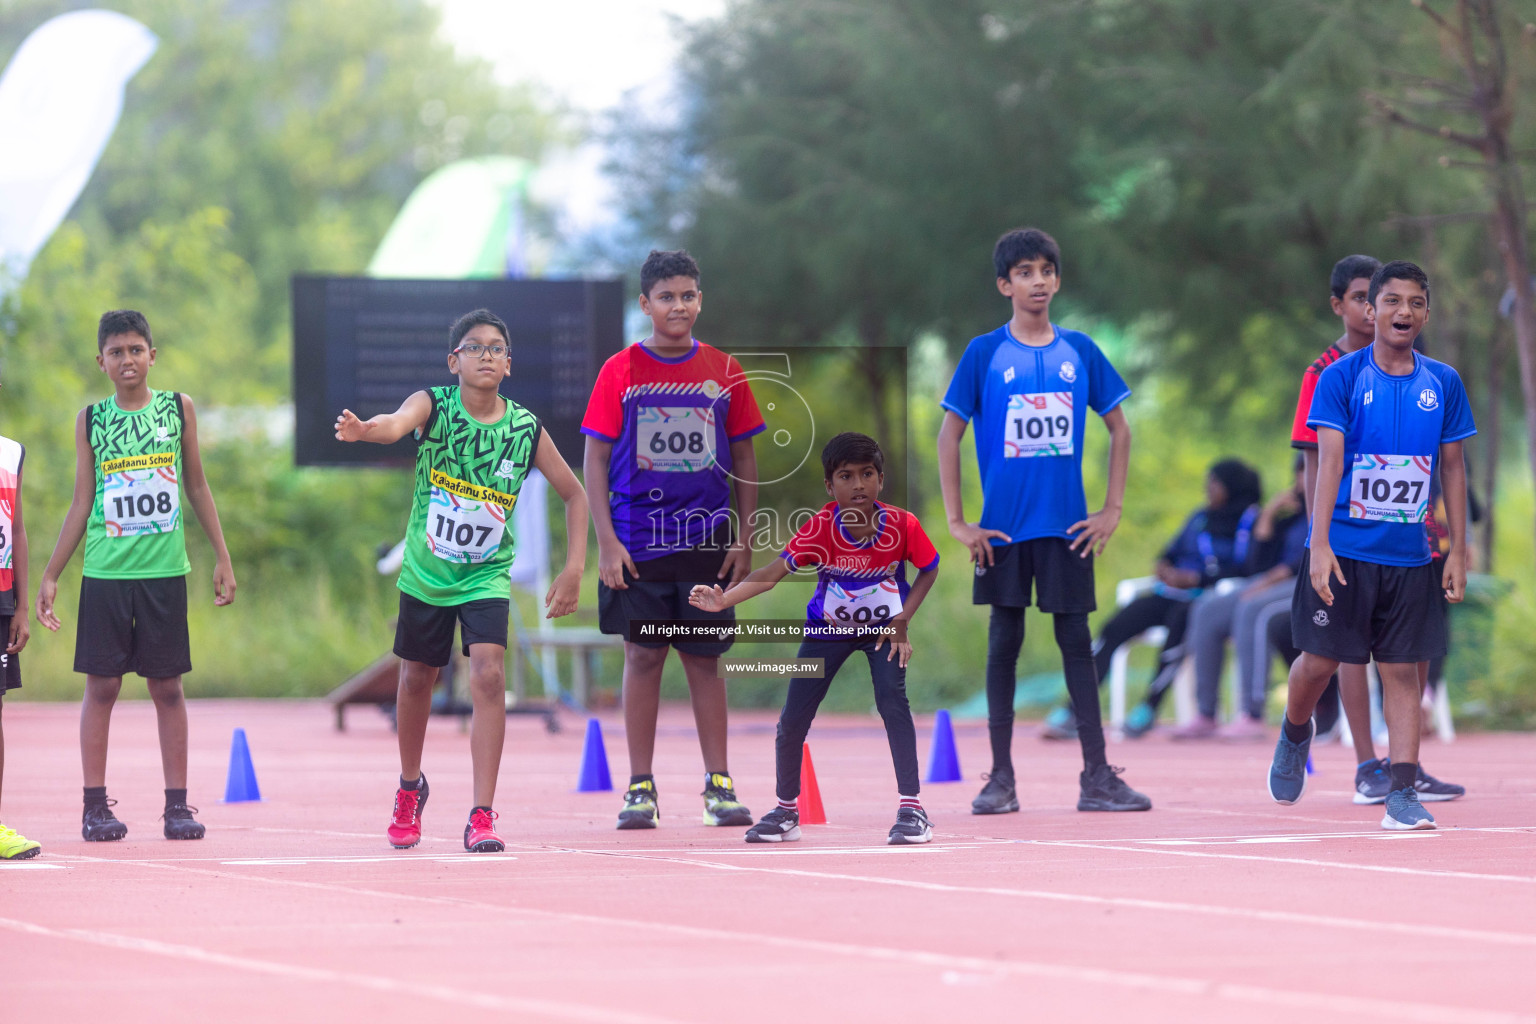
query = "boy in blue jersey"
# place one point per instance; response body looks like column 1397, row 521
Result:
column 1388, row 416
column 1028, row 385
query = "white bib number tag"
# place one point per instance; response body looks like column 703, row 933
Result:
column 1390, row 488
column 465, row 522
column 6, row 518
column 140, row 501
column 676, row 439
column 1038, row 425
column 861, row 606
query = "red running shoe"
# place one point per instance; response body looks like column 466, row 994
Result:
column 480, row 834
column 405, row 829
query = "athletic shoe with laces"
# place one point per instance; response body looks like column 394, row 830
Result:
column 1288, row 770
column 14, row 846
column 1060, row 724
column 1101, row 788
column 1372, row 782
column 1431, row 789
column 480, row 833
column 405, row 826
column 998, row 796
column 179, row 823
column 1140, row 721
column 720, row 804
column 640, row 806
column 1405, row 813
column 912, row 827
column 99, row 825
column 780, row 825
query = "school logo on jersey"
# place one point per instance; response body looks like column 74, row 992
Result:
column 1428, row 400
column 711, row 389
column 1068, row 372
column 1321, row 618
column 508, row 469
column 1369, row 397
column 162, row 434
column 1008, row 375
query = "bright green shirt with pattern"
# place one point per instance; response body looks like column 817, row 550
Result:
column 459, row 543
column 135, row 529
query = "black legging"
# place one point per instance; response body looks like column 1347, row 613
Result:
column 1005, row 637
column 1136, row 618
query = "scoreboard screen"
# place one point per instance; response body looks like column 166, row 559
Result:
column 364, row 344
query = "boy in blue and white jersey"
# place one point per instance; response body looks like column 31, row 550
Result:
column 1028, row 386
column 1386, row 419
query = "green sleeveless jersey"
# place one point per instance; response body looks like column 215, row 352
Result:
column 459, row 542
column 135, row 529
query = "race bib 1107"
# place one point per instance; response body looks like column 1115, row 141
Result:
column 465, row 522
column 1390, row 488
column 1038, row 425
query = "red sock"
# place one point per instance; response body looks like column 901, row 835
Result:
column 912, row 802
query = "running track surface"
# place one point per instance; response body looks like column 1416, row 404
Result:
column 1218, row 905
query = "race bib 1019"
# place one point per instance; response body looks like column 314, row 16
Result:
column 1390, row 488
column 1038, row 425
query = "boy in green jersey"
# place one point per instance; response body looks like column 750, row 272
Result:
column 129, row 452
column 474, row 449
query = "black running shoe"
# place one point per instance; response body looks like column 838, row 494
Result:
column 641, row 808
column 997, row 796
column 1102, row 789
column 1431, row 789
column 179, row 823
column 912, row 827
column 779, row 825
column 99, row 825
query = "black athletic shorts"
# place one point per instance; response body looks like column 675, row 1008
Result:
column 1062, row 578
column 661, row 592
column 10, row 664
column 424, row 632
column 133, row 626
column 1395, row 613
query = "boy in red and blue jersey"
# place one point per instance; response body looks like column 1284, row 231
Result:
column 1028, row 386
column 860, row 549
column 669, row 436
column 1386, row 419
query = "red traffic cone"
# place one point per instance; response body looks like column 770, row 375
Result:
column 811, row 811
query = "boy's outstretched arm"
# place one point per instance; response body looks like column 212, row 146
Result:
column 20, row 631
column 201, row 500
column 566, row 588
column 902, row 648
column 612, row 556
column 1453, row 478
column 1101, row 525
column 387, row 427
column 975, row 539
column 1330, row 470
column 738, row 560
column 73, row 528
column 758, row 581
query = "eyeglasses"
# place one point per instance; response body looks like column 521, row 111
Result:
column 474, row 348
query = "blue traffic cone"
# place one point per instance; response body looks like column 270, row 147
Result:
column 594, row 762
column 943, row 759
column 241, row 786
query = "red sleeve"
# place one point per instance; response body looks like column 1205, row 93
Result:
column 605, row 409
column 743, row 419
column 920, row 550
column 1303, row 436
column 809, row 544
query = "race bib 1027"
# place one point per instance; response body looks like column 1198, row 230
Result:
column 1390, row 488
column 675, row 439
column 140, row 495
column 1038, row 425
column 465, row 522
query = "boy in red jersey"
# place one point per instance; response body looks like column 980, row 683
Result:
column 13, row 612
column 860, row 549
column 669, row 432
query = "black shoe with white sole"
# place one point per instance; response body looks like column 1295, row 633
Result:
column 912, row 827
column 779, row 825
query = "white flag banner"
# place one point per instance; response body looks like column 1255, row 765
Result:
column 60, row 98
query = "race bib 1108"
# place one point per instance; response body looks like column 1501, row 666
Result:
column 1038, row 425
column 140, row 495
column 1390, row 488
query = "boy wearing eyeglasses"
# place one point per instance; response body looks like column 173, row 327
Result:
column 474, row 449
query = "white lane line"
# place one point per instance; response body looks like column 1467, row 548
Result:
column 1130, row 902
column 457, row 858
column 326, row 976
column 1387, row 869
column 29, row 865
column 1393, row 1011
